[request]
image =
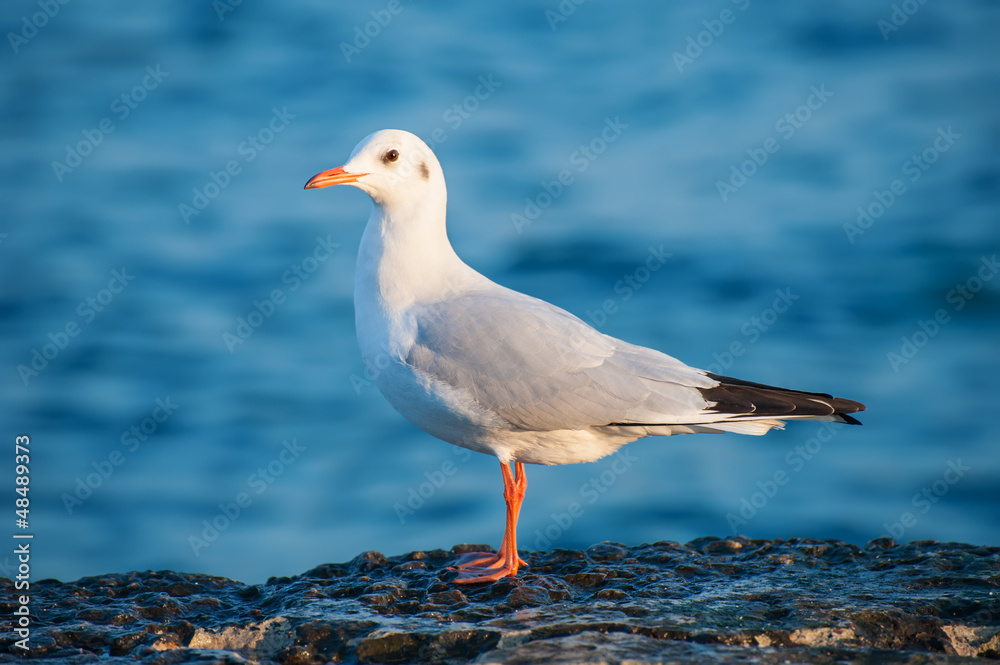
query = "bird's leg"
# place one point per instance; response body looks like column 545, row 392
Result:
column 520, row 485
column 487, row 567
column 514, row 496
column 475, row 563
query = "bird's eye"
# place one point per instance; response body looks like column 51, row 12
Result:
column 391, row 156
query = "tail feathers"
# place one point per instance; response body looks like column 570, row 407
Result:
column 742, row 400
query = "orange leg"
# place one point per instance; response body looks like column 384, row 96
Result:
column 488, row 567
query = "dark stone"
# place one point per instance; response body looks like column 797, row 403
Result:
column 586, row 580
column 712, row 600
column 409, row 565
column 295, row 655
column 183, row 589
column 391, row 648
column 527, row 596
column 606, row 552
column 450, row 598
column 367, row 562
column 460, row 644
column 611, row 594
column 123, row 644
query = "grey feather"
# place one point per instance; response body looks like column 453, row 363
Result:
column 540, row 368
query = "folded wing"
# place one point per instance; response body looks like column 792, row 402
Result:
column 540, row 368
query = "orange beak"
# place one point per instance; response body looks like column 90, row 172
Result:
column 337, row 176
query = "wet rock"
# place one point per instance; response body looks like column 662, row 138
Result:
column 526, row 596
column 391, row 647
column 586, row 580
column 367, row 562
column 716, row 600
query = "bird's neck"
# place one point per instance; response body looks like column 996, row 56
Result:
column 405, row 259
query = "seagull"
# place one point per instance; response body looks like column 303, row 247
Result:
column 490, row 369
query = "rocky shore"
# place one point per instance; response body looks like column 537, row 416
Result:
column 711, row 600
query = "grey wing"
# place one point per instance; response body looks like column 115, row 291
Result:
column 541, row 368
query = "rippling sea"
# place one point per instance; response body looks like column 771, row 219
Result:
column 792, row 193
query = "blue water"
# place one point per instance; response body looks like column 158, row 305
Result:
column 157, row 100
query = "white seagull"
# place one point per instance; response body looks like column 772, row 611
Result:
column 499, row 372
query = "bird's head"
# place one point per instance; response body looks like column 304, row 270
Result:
column 392, row 166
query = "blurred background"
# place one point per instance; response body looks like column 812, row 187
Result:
column 797, row 194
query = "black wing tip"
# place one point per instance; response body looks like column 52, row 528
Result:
column 746, row 397
column 848, row 420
